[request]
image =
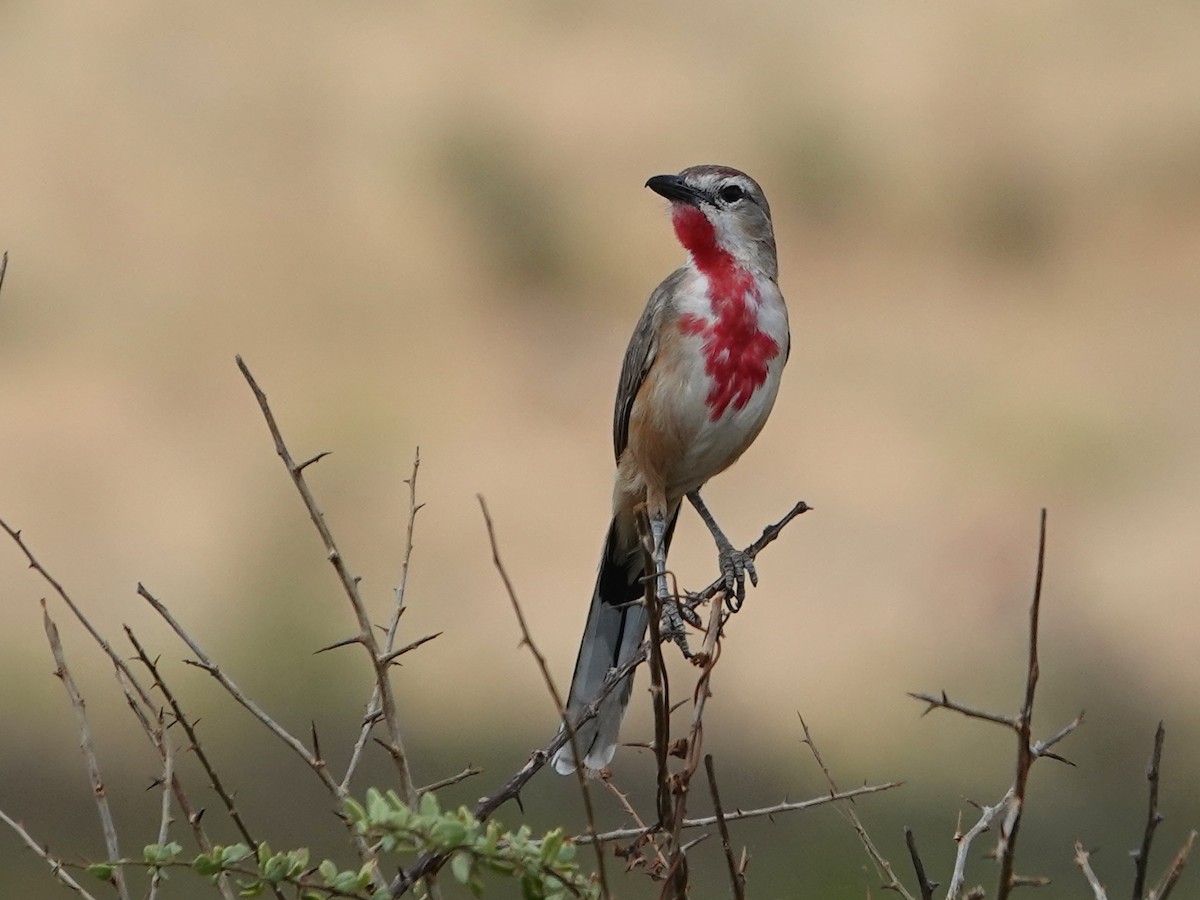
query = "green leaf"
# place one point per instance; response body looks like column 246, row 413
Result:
column 233, row 854
column 365, row 875
column 429, row 805
column 355, row 811
column 461, row 865
column 103, row 871
column 328, row 870
column 448, row 834
column 550, row 845
column 207, row 864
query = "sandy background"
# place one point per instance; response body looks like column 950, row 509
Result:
column 424, row 224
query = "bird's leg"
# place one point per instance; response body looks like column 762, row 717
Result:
column 735, row 565
column 670, row 623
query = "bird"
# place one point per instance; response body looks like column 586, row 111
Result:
column 698, row 381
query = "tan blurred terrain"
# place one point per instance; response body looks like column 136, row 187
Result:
column 425, row 225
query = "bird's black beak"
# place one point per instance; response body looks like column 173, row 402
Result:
column 675, row 189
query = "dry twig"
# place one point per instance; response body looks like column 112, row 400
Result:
column 891, row 882
column 88, row 749
column 1083, row 860
column 137, row 696
column 1141, row 856
column 1166, row 884
column 164, row 822
column 391, row 716
column 56, row 865
column 738, row 815
column 548, row 680
column 737, row 878
column 374, row 709
column 924, row 885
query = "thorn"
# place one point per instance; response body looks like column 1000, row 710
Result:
column 357, row 639
column 300, row 467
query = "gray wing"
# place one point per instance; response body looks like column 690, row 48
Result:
column 639, row 356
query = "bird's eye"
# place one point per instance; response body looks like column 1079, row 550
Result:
column 731, row 193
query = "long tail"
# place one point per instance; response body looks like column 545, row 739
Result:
column 615, row 629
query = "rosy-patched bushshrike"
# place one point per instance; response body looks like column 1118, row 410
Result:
column 698, row 382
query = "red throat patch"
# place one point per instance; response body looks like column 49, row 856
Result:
column 736, row 352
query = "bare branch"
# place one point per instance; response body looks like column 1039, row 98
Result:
column 164, row 823
column 1141, row 856
column 197, row 749
column 468, row 772
column 1083, row 860
column 737, row 880
column 1170, row 878
column 118, row 662
column 56, row 866
column 958, row 876
column 738, row 815
column 1006, row 846
column 374, row 710
column 944, row 702
column 312, row 760
column 924, row 885
column 89, row 751
column 891, row 882
column 395, row 744
column 548, row 680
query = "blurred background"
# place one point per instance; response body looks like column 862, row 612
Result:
column 424, row 224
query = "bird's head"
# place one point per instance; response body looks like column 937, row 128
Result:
column 719, row 212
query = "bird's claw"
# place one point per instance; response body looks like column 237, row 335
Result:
column 735, row 566
column 670, row 625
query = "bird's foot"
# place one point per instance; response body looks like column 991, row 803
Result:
column 735, row 566
column 670, row 625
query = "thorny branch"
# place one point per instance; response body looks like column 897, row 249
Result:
column 891, row 882
column 1007, row 844
column 737, row 877
column 205, row 662
column 1141, row 856
column 555, row 695
column 89, row 752
column 55, row 864
column 1083, row 860
column 429, row 863
column 924, row 885
column 137, row 696
column 395, row 744
column 374, row 709
column 739, row 815
column 1012, row 804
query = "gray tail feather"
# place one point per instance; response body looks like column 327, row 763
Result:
column 615, row 629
